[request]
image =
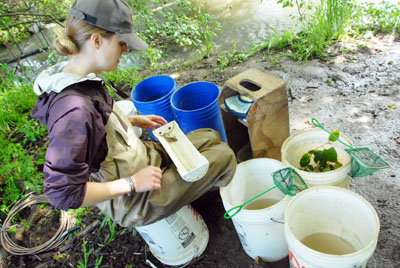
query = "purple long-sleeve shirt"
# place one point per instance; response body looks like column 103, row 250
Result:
column 77, row 135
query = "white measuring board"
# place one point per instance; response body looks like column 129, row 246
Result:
column 190, row 164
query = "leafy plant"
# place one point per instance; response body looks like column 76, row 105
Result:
column 209, row 28
column 112, row 228
column 86, row 254
column 19, row 159
column 301, row 6
column 98, row 261
column 180, row 24
column 321, row 160
column 319, row 27
column 391, row 106
column 17, row 168
column 128, row 77
column 32, row 130
column 154, row 54
column 19, row 17
column 378, row 17
column 232, row 56
column 12, row 230
column 8, row 78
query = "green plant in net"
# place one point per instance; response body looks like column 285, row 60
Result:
column 321, row 160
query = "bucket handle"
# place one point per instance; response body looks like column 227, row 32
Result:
column 281, row 222
column 237, row 209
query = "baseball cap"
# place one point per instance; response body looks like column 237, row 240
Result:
column 111, row 15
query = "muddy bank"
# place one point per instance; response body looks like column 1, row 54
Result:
column 356, row 92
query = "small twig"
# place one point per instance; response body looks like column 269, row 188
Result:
column 88, row 229
column 82, row 233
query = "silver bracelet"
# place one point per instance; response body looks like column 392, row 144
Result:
column 131, row 184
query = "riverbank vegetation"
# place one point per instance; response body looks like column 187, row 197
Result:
column 322, row 26
column 181, row 24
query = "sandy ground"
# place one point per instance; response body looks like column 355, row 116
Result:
column 357, row 102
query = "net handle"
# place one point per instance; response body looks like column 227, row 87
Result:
column 317, row 124
column 239, row 207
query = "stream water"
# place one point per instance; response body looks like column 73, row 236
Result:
column 244, row 22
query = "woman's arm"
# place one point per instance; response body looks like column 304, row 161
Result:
column 97, row 192
column 146, row 179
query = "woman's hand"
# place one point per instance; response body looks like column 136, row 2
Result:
column 147, row 121
column 148, row 178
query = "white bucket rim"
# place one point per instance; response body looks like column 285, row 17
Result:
column 315, row 253
column 329, row 174
column 123, row 105
column 276, row 208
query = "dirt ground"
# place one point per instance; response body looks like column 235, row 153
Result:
column 356, row 91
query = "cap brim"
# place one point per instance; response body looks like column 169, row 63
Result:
column 133, row 41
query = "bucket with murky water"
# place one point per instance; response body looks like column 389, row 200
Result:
column 177, row 239
column 259, row 224
column 328, row 226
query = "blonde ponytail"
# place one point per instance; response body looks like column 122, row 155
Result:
column 63, row 44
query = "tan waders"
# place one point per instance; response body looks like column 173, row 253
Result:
column 127, row 154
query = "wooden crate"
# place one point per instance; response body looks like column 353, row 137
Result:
column 268, row 119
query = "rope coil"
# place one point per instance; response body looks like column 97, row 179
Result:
column 66, row 222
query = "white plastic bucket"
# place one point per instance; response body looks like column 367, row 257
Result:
column 261, row 231
column 177, row 239
column 337, row 212
column 128, row 108
column 303, row 141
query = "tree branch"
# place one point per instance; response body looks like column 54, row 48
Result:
column 24, row 22
column 31, row 14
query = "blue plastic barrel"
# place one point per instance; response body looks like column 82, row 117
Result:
column 195, row 106
column 152, row 96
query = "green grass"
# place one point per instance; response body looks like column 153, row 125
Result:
column 232, row 57
column 382, row 17
column 322, row 25
column 325, row 25
column 124, row 78
column 19, row 158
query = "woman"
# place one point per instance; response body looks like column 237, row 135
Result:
column 93, row 156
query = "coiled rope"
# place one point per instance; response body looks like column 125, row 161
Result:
column 66, row 222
